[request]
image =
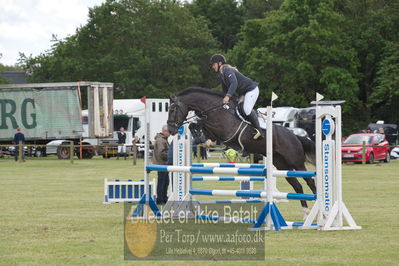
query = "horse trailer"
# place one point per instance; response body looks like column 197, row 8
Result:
column 52, row 111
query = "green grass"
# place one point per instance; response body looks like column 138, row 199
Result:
column 52, row 213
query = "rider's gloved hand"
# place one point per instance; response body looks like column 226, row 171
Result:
column 226, row 99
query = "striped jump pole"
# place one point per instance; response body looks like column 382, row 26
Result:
column 228, row 178
column 289, row 225
column 246, row 182
column 251, row 193
column 232, row 165
column 225, row 219
column 226, row 170
column 233, row 201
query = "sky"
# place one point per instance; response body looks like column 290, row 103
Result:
column 27, row 26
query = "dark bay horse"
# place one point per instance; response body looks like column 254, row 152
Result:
column 289, row 151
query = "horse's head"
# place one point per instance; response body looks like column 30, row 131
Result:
column 177, row 114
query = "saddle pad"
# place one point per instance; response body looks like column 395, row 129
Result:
column 262, row 122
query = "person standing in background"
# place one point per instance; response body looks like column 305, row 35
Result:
column 161, row 148
column 121, row 142
column 19, row 137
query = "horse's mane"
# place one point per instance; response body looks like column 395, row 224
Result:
column 201, row 90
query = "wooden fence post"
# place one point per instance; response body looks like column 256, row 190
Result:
column 20, row 151
column 198, row 153
column 134, row 153
column 71, row 151
column 364, row 152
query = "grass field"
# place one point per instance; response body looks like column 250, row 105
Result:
column 52, row 213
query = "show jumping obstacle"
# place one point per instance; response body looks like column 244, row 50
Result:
column 125, row 191
column 329, row 210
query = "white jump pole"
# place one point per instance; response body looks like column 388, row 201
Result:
column 146, row 202
column 146, row 161
column 146, row 153
column 270, row 213
column 269, row 164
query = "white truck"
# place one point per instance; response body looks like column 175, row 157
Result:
column 130, row 114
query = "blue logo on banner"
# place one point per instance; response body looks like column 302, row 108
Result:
column 181, row 130
column 326, row 127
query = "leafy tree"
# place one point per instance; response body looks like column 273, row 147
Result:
column 224, row 19
column 372, row 26
column 145, row 47
column 257, row 8
column 3, row 68
column 297, row 51
column 2, row 79
column 345, row 49
column 385, row 97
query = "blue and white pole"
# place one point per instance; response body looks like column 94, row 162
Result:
column 228, row 178
column 229, row 171
column 252, row 193
column 232, row 165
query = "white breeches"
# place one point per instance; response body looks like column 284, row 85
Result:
column 121, row 149
column 250, row 100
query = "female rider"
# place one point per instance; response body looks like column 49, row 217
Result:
column 232, row 80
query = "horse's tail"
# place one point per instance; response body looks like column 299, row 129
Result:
column 310, row 149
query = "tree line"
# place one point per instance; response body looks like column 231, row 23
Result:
column 344, row 49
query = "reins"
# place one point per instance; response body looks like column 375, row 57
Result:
column 202, row 115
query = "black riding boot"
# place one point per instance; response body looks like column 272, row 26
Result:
column 125, row 155
column 117, row 155
column 253, row 118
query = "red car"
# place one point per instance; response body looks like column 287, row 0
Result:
column 377, row 148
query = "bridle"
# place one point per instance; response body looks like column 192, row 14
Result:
column 173, row 122
column 201, row 115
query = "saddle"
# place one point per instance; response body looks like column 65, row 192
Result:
column 241, row 114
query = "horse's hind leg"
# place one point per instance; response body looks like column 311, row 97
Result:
column 298, row 189
column 309, row 181
column 281, row 164
column 311, row 184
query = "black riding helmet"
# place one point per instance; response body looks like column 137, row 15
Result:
column 216, row 58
